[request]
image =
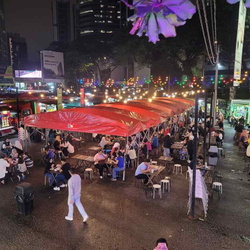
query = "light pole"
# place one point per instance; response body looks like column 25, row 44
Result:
column 215, row 87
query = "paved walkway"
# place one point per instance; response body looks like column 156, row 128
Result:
column 123, row 218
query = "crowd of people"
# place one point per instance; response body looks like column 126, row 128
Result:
column 14, row 162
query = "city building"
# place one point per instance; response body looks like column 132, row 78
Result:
column 3, row 38
column 18, row 51
column 101, row 16
column 65, row 16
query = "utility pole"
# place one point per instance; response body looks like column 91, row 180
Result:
column 216, row 86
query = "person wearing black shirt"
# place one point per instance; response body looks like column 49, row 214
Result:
column 167, row 142
column 220, row 123
column 64, row 175
column 238, row 130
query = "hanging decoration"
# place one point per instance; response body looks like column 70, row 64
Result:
column 247, row 2
column 154, row 17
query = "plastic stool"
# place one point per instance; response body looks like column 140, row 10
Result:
column 221, row 152
column 157, row 186
column 165, row 183
column 88, row 173
column 217, row 185
column 177, row 168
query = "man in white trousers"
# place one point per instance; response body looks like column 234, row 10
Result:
column 74, row 186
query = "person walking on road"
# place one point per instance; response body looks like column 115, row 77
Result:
column 74, row 196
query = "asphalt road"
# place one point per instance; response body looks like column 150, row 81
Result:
column 123, row 218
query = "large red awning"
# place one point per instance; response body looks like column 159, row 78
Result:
column 146, row 120
column 114, row 119
column 88, row 120
column 152, row 116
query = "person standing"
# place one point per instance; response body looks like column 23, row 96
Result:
column 167, row 142
column 74, row 196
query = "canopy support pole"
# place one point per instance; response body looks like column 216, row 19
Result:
column 125, row 159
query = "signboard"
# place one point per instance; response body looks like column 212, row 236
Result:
column 28, row 73
column 52, row 66
column 82, row 97
column 59, row 99
column 239, row 43
column 6, row 76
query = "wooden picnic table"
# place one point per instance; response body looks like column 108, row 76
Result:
column 154, row 173
column 84, row 161
column 177, row 145
column 93, row 150
column 164, row 160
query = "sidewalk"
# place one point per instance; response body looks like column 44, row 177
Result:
column 123, row 218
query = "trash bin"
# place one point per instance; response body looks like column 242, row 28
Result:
column 213, row 155
column 24, row 195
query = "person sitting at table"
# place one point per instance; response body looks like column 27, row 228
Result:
column 4, row 164
column 56, row 145
column 198, row 162
column 183, row 154
column 14, row 153
column 143, row 168
column 28, row 161
column 119, row 166
column 6, row 147
column 20, row 168
column 64, row 175
column 70, row 138
column 50, row 165
column 50, row 154
column 114, row 153
column 104, row 141
column 64, row 147
column 100, row 160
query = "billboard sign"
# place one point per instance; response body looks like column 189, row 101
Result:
column 6, row 75
column 52, row 66
column 28, row 73
column 239, row 43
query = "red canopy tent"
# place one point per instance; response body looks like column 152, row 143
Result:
column 115, row 119
column 88, row 120
column 153, row 117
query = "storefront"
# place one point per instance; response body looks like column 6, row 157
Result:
column 5, row 123
column 241, row 108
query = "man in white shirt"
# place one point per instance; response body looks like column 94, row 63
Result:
column 74, row 197
column 3, row 171
column 143, row 168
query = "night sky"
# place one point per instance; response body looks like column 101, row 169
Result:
column 33, row 20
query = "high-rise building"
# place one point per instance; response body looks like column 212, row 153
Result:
column 18, row 51
column 101, row 16
column 3, row 38
column 64, row 14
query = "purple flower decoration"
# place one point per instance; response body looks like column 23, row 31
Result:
column 247, row 2
column 154, row 17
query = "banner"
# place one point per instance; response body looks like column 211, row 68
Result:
column 6, row 76
column 82, row 97
column 52, row 66
column 59, row 99
column 239, row 43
